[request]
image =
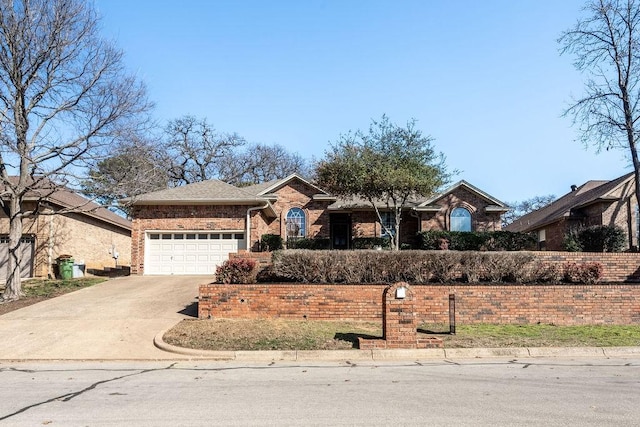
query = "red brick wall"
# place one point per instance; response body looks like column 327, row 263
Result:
column 618, row 267
column 501, row 304
column 299, row 195
column 461, row 197
column 176, row 218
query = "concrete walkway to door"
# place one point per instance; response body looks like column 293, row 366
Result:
column 114, row 320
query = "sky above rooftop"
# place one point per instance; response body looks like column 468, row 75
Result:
column 484, row 79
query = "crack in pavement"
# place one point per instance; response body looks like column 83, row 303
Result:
column 68, row 396
column 349, row 365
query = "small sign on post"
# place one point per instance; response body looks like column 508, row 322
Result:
column 452, row 314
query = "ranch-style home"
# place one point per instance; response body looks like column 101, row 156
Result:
column 592, row 203
column 193, row 228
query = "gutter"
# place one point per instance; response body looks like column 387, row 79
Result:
column 248, row 225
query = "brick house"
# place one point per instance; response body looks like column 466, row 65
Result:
column 193, row 228
column 68, row 224
column 593, row 203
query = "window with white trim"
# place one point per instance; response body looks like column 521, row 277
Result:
column 388, row 223
column 296, row 224
column 460, row 220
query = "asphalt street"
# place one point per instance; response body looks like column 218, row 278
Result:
column 513, row 392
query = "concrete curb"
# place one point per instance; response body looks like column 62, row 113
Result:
column 381, row 355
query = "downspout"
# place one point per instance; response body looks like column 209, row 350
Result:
column 50, row 249
column 248, row 225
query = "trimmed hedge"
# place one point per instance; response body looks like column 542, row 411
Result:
column 312, row 244
column 414, row 266
column 476, row 241
column 238, row 270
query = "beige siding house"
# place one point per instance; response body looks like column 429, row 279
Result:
column 69, row 224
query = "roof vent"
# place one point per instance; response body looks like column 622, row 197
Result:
column 574, row 187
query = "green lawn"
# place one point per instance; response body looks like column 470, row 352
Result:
column 280, row 334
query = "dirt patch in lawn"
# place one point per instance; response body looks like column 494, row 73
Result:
column 281, row 334
column 40, row 290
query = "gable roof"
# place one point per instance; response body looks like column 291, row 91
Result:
column 265, row 189
column 495, row 204
column 585, row 195
column 70, row 201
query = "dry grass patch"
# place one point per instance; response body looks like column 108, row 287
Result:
column 269, row 334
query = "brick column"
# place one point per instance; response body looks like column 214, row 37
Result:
column 399, row 328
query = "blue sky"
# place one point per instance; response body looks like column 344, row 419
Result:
column 483, row 78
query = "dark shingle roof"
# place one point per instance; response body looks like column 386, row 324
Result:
column 588, row 193
column 70, row 201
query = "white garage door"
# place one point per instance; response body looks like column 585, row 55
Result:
column 189, row 252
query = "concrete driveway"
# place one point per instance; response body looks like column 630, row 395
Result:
column 114, row 320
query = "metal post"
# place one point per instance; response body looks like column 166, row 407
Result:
column 452, row 314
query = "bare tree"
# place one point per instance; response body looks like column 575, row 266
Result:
column 519, row 209
column 134, row 168
column 260, row 163
column 606, row 46
column 194, row 151
column 63, row 95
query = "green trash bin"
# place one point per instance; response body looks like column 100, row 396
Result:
column 65, row 267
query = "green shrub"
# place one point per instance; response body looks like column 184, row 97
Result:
column 599, row 238
column 236, row 271
column 271, row 242
column 571, row 242
column 476, row 241
column 602, row 238
column 371, row 242
column 510, row 241
column 313, row 244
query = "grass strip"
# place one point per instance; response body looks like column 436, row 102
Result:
column 281, row 334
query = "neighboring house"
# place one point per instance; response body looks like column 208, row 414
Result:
column 193, row 228
column 593, row 203
column 68, row 224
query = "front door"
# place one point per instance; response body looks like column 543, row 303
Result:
column 340, row 231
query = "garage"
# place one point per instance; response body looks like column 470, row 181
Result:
column 189, row 252
column 27, row 246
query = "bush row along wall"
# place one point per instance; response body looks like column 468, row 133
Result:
column 499, row 304
column 618, row 267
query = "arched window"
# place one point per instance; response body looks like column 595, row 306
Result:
column 296, row 224
column 460, row 220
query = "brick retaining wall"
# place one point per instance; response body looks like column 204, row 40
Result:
column 502, row 304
